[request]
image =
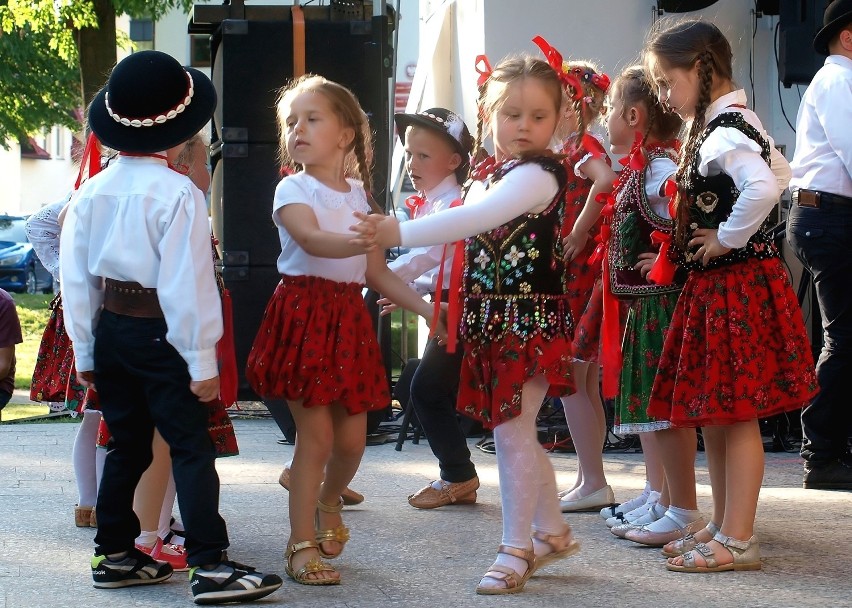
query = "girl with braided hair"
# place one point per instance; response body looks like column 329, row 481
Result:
column 736, row 349
column 316, row 346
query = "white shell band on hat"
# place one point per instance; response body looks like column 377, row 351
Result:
column 156, row 120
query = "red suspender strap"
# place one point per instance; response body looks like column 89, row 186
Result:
column 454, row 304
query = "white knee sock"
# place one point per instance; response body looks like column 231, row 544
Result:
column 83, row 457
column 168, row 507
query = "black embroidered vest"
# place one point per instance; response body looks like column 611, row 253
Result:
column 633, row 221
column 711, row 200
column 514, row 275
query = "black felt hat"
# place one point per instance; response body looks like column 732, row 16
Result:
column 838, row 15
column 448, row 124
column 151, row 103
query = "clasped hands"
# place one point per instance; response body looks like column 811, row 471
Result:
column 375, row 231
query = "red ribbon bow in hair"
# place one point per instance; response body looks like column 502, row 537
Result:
column 484, row 71
column 635, row 159
column 663, row 270
column 608, row 202
column 484, row 169
column 554, row 58
column 601, row 81
column 414, row 202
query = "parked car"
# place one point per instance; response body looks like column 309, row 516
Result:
column 20, row 269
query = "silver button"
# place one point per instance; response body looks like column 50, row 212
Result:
column 808, row 233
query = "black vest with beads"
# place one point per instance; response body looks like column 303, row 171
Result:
column 514, row 275
column 711, row 200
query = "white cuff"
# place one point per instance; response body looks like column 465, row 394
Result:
column 201, row 363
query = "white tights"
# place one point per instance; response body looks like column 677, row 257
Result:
column 527, row 481
column 88, row 463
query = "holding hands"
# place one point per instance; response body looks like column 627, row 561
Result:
column 375, row 231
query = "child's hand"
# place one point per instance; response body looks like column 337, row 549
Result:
column 205, row 390
column 645, row 263
column 87, row 379
column 573, row 244
column 375, row 231
column 708, row 244
column 387, row 307
column 440, row 326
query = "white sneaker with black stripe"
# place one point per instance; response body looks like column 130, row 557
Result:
column 136, row 568
column 230, row 582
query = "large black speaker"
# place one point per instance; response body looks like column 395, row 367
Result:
column 799, row 22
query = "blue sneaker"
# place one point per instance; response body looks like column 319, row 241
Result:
column 136, row 568
column 230, row 582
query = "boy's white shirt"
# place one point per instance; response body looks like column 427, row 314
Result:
column 419, row 267
column 139, row 220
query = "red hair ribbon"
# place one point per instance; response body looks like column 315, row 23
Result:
column 484, row 71
column 455, row 295
column 90, row 163
column 663, row 270
column 414, row 202
column 608, row 202
column 635, row 159
column 572, row 83
column 554, row 58
column 601, row 81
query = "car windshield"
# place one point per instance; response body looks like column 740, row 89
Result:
column 13, row 230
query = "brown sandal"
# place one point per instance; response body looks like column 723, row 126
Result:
column 340, row 534
column 312, row 566
column 514, row 582
column 561, row 545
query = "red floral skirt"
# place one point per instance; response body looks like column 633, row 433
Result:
column 587, row 327
column 736, row 349
column 492, row 375
column 317, row 344
column 219, row 427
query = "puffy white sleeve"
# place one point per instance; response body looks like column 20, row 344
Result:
column 186, row 285
column 43, row 234
column 82, row 292
column 658, row 171
column 520, row 191
column 728, row 150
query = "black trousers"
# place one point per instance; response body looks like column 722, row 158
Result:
column 434, row 388
column 143, row 383
column 822, row 239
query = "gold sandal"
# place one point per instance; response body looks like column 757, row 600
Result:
column 561, row 545
column 312, row 566
column 514, row 582
column 340, row 534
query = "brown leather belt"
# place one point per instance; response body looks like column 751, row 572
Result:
column 816, row 199
column 131, row 299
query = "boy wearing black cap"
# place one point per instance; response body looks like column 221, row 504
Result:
column 437, row 158
column 818, row 231
column 142, row 309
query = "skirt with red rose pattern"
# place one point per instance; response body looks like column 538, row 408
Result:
column 317, row 344
column 736, row 349
column 493, row 375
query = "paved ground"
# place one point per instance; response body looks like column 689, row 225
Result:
column 400, row 556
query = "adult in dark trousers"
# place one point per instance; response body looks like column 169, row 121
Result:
column 820, row 232
column 10, row 335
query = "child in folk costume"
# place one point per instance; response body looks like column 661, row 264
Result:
column 437, row 158
column 589, row 174
column 316, row 346
column 515, row 323
column 145, row 321
column 736, row 349
column 644, row 132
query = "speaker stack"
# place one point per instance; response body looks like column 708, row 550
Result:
column 799, row 22
column 252, row 58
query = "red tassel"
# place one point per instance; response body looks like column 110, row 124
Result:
column 611, row 356
column 90, row 164
column 226, row 354
column 663, row 270
column 453, row 310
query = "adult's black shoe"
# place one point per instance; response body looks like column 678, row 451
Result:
column 834, row 475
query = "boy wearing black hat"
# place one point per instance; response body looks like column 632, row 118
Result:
column 142, row 309
column 437, row 158
column 818, row 231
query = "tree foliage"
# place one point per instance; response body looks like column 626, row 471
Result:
column 54, row 54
